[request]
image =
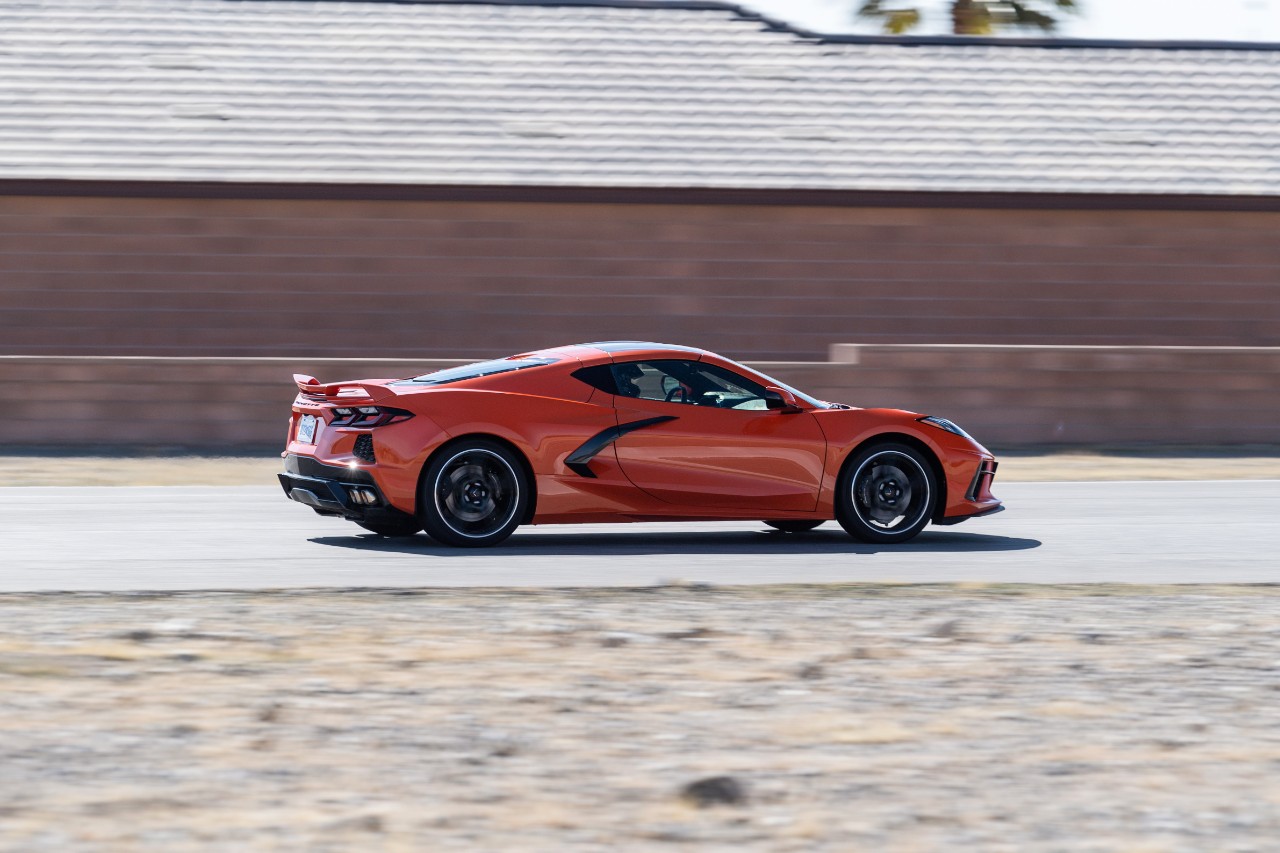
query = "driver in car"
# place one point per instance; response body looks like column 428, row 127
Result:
column 627, row 375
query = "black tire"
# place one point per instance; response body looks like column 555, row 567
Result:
column 474, row 494
column 392, row 529
column 793, row 525
column 886, row 493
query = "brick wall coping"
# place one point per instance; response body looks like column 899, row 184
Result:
column 217, row 359
column 852, row 354
column 839, row 354
column 1057, row 347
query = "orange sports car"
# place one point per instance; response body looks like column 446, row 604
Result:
column 620, row 431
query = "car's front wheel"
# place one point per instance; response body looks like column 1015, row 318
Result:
column 474, row 494
column 886, row 493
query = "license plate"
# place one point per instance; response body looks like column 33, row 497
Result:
column 307, row 429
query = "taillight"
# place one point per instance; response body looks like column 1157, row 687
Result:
column 369, row 416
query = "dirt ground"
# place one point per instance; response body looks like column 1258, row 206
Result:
column 681, row 718
column 894, row 718
column 48, row 469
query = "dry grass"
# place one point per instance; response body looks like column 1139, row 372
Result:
column 53, row 470
column 1111, row 467
column 837, row 728
column 572, row 720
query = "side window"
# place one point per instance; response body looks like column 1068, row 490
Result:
column 653, row 380
column 727, row 390
column 687, row 382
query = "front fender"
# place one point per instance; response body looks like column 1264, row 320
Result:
column 847, row 430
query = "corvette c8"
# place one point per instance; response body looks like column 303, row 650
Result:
column 621, row 431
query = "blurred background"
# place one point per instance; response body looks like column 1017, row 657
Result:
column 1029, row 217
column 1141, row 20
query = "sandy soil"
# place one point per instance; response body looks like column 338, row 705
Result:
column 52, row 470
column 844, row 718
column 1211, row 465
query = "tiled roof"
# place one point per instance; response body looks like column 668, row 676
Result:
column 609, row 95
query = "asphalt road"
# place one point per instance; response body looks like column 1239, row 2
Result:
column 171, row 538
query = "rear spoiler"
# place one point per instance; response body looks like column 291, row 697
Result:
column 338, row 391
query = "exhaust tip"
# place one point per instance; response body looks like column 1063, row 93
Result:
column 362, row 496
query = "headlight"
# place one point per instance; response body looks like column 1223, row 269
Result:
column 943, row 423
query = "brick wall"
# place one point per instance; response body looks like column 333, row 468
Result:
column 402, row 279
column 1066, row 395
column 165, row 402
column 1003, row 395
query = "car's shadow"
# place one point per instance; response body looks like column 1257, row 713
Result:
column 665, row 543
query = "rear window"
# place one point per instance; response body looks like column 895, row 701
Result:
column 475, row 371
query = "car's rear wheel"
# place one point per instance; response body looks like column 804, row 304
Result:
column 886, row 493
column 474, row 494
column 394, row 529
column 793, row 525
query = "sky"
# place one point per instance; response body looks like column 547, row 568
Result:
column 1215, row 20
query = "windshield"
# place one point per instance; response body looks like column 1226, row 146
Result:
column 480, row 368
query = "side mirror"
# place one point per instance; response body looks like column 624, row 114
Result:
column 781, row 400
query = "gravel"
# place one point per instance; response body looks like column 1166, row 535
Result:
column 780, row 718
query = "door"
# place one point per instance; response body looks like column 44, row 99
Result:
column 710, row 440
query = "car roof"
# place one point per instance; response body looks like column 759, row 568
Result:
column 627, row 346
column 603, row 352
column 647, row 348
column 599, row 352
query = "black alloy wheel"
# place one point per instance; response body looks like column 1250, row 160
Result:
column 474, row 494
column 793, row 525
column 886, row 493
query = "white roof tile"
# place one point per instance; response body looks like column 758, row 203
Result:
column 469, row 93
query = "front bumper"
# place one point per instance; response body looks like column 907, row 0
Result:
column 336, row 490
column 978, row 500
column 956, row 519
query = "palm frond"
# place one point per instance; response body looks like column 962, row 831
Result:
column 972, row 17
column 1024, row 16
column 902, row 20
column 894, row 21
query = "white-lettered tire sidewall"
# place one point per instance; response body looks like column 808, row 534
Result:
column 847, row 514
column 430, row 514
